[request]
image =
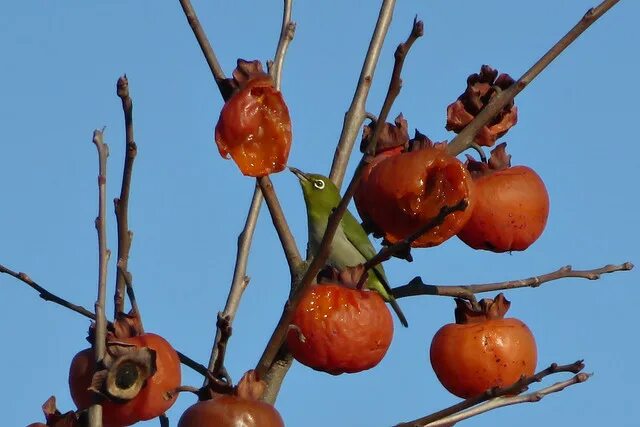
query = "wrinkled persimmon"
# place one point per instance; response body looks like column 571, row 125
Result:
column 402, row 192
column 254, row 128
column 338, row 330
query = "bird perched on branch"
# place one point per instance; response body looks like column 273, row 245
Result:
column 351, row 245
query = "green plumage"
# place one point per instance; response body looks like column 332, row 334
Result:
column 351, row 245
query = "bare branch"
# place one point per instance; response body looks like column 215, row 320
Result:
column 500, row 402
column 417, row 287
column 240, row 280
column 403, row 245
column 495, row 393
column 395, row 84
column 280, row 223
column 122, row 203
column 205, row 46
column 355, row 116
column 48, row 296
column 99, row 345
column 287, row 33
column 279, row 334
column 164, row 420
column 465, row 138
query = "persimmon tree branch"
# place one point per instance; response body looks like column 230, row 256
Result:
column 99, row 344
column 405, row 244
column 356, row 114
column 287, row 31
column 417, row 287
column 466, row 137
column 51, row 297
column 121, row 204
column 205, row 46
column 239, row 282
column 279, row 334
column 240, row 279
column 495, row 396
column 280, row 223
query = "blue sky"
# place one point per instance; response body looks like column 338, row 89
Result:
column 61, row 62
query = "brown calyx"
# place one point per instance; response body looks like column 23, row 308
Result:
column 421, row 141
column 486, row 309
column 55, row 418
column 481, row 88
column 242, row 74
column 498, row 161
column 392, row 135
column 126, row 370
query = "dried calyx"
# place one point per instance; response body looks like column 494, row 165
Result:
column 481, row 88
column 499, row 160
column 57, row 419
column 392, row 135
column 244, row 71
column 485, row 309
column 347, row 277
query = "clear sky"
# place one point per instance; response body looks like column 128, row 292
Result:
column 60, row 63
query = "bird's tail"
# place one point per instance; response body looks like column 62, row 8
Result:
column 378, row 281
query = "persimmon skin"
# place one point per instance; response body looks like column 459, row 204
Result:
column 254, row 127
column 231, row 411
column 470, row 358
column 404, row 191
column 345, row 330
column 149, row 403
column 510, row 213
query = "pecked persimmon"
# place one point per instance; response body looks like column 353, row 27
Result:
column 149, row 401
column 338, row 330
column 482, row 349
column 254, row 128
column 512, row 205
column 401, row 192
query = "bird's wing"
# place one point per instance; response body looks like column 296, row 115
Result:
column 358, row 238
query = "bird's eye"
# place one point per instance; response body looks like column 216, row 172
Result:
column 319, row 184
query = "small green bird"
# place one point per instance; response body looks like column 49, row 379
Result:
column 351, row 245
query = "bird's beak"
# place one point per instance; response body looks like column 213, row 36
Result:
column 297, row 172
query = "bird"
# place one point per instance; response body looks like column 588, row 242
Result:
column 351, row 245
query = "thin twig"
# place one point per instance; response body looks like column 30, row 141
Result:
column 164, row 420
column 240, row 280
column 395, row 83
column 280, row 223
column 287, row 33
column 417, row 287
column 279, row 334
column 514, row 389
column 403, row 245
column 122, row 203
column 48, row 296
column 356, row 114
column 205, row 46
column 99, row 344
column 466, row 137
column 503, row 401
column 128, row 280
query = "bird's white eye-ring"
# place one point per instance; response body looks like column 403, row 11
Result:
column 319, row 184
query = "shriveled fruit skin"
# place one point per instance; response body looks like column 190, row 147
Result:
column 510, row 213
column 471, row 358
column 254, row 128
column 340, row 330
column 404, row 191
column 149, row 403
column 231, row 411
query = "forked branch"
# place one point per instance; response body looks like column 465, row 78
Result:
column 418, row 287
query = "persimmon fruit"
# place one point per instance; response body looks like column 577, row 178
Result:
column 482, row 349
column 150, row 402
column 338, row 330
